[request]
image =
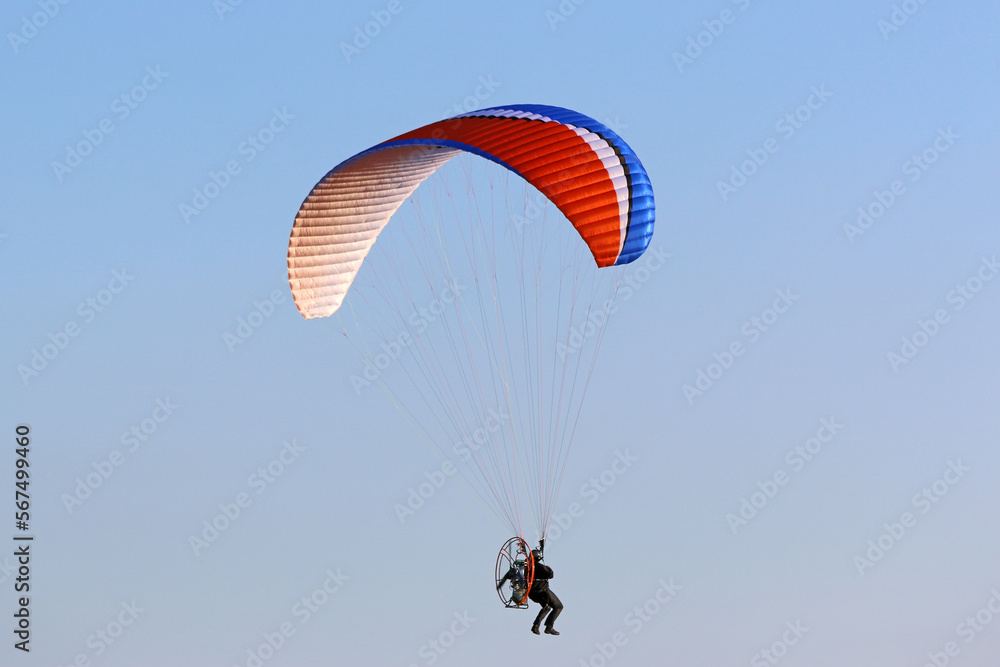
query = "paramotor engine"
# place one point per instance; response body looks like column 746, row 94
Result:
column 515, row 573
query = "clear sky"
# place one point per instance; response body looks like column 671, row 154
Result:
column 764, row 126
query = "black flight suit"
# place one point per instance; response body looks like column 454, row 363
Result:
column 541, row 594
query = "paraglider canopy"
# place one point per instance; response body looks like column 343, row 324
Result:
column 581, row 165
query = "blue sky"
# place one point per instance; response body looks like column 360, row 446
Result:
column 150, row 349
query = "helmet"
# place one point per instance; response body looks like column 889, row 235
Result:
column 537, row 554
